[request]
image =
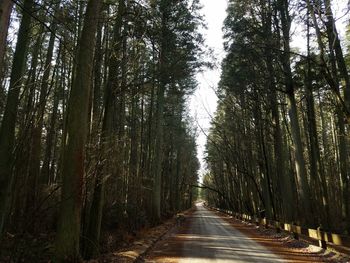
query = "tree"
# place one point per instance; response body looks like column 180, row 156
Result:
column 300, row 166
column 8, row 124
column 5, row 12
column 87, row 145
column 68, row 232
column 94, row 223
column 267, row 112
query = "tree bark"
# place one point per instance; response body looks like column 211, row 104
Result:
column 46, row 176
column 8, row 124
column 5, row 13
column 342, row 111
column 159, row 118
column 335, row 46
column 158, row 154
column 68, row 232
column 36, row 147
column 90, row 245
column 283, row 178
column 300, row 167
column 316, row 166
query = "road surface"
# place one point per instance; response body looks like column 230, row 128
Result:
column 208, row 238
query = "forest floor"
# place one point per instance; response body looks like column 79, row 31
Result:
column 211, row 236
column 123, row 247
column 144, row 241
column 205, row 236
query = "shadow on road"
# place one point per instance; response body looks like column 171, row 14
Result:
column 206, row 237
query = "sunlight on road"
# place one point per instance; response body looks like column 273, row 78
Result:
column 208, row 238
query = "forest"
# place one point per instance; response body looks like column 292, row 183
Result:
column 97, row 141
column 279, row 142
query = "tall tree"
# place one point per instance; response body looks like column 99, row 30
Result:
column 8, row 124
column 5, row 13
column 300, row 166
column 108, row 124
column 68, row 232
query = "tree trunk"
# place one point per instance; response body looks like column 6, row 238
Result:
column 5, row 13
column 34, row 165
column 316, row 166
column 46, row 176
column 300, row 167
column 68, row 232
column 7, row 129
column 133, row 156
column 331, row 76
column 283, row 178
column 158, row 154
column 159, row 119
column 91, row 242
column 334, row 46
column 23, row 173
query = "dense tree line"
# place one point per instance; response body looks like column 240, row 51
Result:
column 279, row 142
column 95, row 135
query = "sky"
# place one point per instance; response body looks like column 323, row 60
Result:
column 341, row 13
column 204, row 101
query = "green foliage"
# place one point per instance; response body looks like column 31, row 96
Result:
column 140, row 49
column 251, row 146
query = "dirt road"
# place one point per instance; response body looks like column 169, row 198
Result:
column 208, row 238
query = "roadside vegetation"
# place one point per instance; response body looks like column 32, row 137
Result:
column 279, row 142
column 96, row 142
